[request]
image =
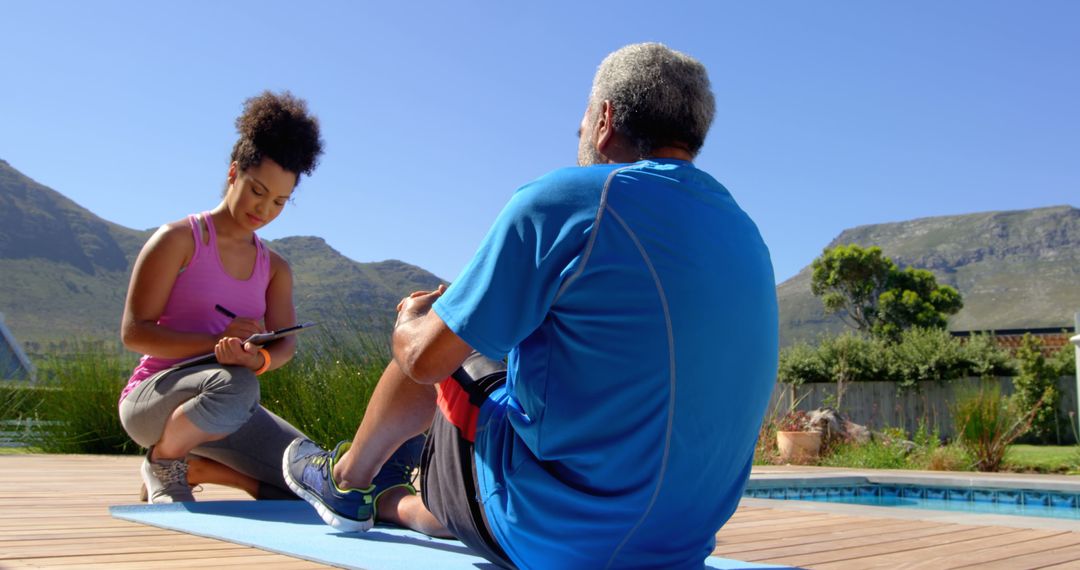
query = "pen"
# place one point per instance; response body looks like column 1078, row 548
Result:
column 225, row 311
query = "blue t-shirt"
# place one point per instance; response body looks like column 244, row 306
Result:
column 636, row 306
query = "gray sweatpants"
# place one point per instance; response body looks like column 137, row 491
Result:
column 217, row 399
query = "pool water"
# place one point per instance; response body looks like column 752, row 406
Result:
column 1024, row 502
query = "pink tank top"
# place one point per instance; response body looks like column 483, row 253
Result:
column 201, row 285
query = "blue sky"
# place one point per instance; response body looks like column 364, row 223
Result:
column 829, row 114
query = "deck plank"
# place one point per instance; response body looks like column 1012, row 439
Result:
column 1056, row 556
column 832, row 535
column 981, row 551
column 809, row 555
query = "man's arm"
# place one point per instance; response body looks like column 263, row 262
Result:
column 425, row 348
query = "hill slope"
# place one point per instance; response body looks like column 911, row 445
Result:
column 64, row 271
column 1015, row 269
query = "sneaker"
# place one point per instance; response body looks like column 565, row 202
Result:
column 144, row 497
column 309, row 469
column 165, row 480
column 398, row 471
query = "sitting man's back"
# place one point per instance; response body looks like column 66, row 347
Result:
column 636, row 303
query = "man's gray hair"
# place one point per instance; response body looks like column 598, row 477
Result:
column 659, row 96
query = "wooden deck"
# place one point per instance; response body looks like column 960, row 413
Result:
column 53, row 514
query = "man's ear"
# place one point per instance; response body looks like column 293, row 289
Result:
column 604, row 132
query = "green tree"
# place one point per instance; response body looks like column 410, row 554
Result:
column 849, row 279
column 872, row 295
column 1036, row 386
column 913, row 298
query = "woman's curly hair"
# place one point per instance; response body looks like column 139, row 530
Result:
column 278, row 126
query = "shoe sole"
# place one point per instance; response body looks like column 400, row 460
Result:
column 325, row 513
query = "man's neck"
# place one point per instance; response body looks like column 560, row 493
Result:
column 675, row 152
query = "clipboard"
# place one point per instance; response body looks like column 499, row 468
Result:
column 259, row 339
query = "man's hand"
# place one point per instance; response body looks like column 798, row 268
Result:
column 417, row 304
column 425, row 349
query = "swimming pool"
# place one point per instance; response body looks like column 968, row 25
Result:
column 1052, row 503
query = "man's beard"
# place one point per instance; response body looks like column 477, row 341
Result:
column 587, row 155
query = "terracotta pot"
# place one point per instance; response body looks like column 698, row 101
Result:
column 798, row 445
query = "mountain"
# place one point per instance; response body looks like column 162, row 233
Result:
column 64, row 271
column 1015, row 269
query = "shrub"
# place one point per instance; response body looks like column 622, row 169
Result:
column 842, row 359
column 765, row 452
column 78, row 408
column 19, row 399
column 876, row 454
column 918, row 355
column 949, row 458
column 1063, row 361
column 325, row 388
column 986, row 424
column 985, row 358
column 923, row 355
column 1037, row 382
column 800, row 363
column 852, row 358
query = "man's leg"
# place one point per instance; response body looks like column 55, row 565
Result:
column 449, row 485
column 346, row 486
column 399, row 409
column 402, row 508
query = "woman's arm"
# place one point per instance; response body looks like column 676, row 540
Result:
column 152, row 280
column 280, row 312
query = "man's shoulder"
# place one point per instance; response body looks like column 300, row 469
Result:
column 576, row 177
column 571, row 187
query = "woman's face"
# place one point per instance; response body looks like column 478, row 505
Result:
column 256, row 195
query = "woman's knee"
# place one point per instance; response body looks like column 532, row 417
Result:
column 228, row 397
column 235, row 381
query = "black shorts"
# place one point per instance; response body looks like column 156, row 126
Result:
column 447, row 469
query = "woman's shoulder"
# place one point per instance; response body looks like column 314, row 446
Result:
column 174, row 237
column 277, row 262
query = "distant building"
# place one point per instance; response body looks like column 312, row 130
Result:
column 1053, row 338
column 14, row 365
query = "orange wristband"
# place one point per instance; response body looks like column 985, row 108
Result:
column 266, row 361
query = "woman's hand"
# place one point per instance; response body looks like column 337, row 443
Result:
column 242, row 328
column 234, row 351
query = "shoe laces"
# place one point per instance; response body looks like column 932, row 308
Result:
column 171, row 473
column 320, row 466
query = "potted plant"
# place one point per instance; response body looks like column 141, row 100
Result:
column 795, row 439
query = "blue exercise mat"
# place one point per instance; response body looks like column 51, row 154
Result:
column 294, row 529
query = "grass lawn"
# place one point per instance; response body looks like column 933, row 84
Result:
column 18, row 450
column 1043, row 458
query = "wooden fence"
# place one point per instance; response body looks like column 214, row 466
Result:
column 878, row 405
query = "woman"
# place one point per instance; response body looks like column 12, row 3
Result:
column 200, row 285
